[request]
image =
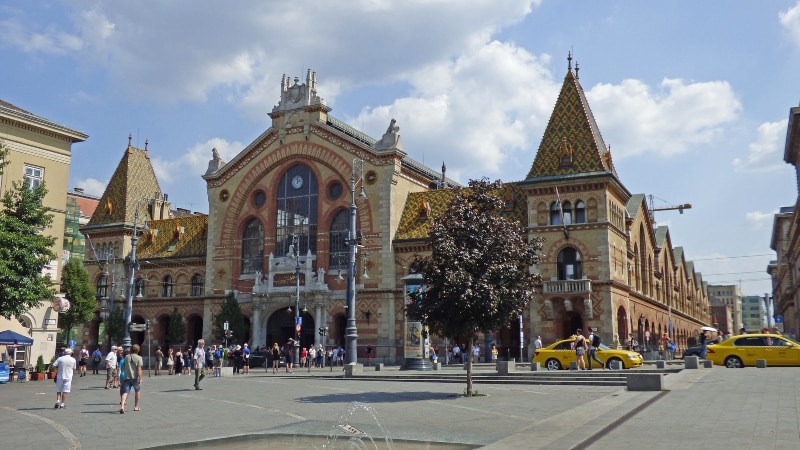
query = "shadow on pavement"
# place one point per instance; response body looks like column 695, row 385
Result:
column 379, row 397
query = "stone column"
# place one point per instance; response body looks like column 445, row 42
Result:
column 255, row 325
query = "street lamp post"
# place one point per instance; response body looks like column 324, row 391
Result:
column 131, row 264
column 351, row 332
column 766, row 305
column 298, row 321
column 104, row 267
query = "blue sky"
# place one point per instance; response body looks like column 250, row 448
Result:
column 693, row 97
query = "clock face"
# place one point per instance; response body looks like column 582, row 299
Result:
column 297, row 182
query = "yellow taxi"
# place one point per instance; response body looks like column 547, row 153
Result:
column 558, row 356
column 745, row 350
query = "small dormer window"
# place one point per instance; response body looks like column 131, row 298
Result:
column 566, row 152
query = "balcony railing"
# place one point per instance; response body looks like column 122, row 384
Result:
column 567, row 286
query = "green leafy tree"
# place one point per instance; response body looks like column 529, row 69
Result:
column 231, row 313
column 3, row 157
column 478, row 275
column 24, row 250
column 77, row 287
column 115, row 325
column 176, row 332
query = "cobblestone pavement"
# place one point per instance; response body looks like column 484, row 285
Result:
column 711, row 408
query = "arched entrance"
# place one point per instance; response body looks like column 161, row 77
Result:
column 572, row 322
column 280, row 327
column 194, row 329
column 160, row 334
column 137, row 337
column 339, row 327
column 622, row 325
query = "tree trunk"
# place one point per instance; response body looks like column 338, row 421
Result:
column 469, row 367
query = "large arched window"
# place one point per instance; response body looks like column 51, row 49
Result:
column 555, row 214
column 297, row 210
column 338, row 233
column 197, row 285
column 252, row 247
column 567, row 207
column 569, row 264
column 580, row 212
column 167, row 287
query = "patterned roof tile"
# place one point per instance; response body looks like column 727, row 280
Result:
column 173, row 238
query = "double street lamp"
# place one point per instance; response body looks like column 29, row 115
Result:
column 351, row 332
column 132, row 265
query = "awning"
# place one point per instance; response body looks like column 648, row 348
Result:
column 9, row 337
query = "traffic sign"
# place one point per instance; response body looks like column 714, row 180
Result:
column 298, row 320
column 779, row 319
column 136, row 327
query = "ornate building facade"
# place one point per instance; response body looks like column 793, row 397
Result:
column 289, row 192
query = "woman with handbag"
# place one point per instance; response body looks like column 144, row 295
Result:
column 170, row 361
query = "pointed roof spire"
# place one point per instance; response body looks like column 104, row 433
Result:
column 572, row 143
column 130, row 138
column 569, row 61
column 146, row 141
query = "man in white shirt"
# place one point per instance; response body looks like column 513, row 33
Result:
column 111, row 366
column 199, row 364
column 537, row 344
column 476, row 353
column 66, row 367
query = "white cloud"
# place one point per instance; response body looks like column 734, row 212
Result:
column 93, row 186
column 765, row 153
column 790, row 20
column 758, row 219
column 194, row 162
column 670, row 120
column 54, row 42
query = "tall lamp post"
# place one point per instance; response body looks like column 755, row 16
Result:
column 107, row 309
column 298, row 321
column 131, row 265
column 351, row 332
column 767, row 299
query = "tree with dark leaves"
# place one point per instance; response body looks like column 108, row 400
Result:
column 232, row 313
column 478, row 275
column 78, row 288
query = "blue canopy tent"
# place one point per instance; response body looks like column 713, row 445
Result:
column 9, row 337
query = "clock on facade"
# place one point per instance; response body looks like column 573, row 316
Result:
column 297, row 182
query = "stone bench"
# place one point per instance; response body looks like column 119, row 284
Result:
column 661, row 364
column 353, row 369
column 708, row 364
column 645, row 382
column 226, row 371
column 378, row 367
column 691, row 362
column 536, row 367
column 436, row 366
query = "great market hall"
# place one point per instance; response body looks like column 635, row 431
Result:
column 606, row 265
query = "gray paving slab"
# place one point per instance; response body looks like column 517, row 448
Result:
column 716, row 408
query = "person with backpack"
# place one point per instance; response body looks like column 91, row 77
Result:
column 593, row 342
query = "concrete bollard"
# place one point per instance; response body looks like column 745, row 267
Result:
column 226, row 371
column 436, row 365
column 691, row 362
column 378, row 367
column 661, row 364
column 353, row 369
column 504, row 367
column 615, row 365
column 573, row 365
column 708, row 364
column 536, row 367
column 645, row 382
column 761, row 363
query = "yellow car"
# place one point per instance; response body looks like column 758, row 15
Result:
column 745, row 350
column 559, row 355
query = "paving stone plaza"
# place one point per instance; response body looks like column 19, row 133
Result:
column 705, row 408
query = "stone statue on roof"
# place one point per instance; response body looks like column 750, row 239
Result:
column 216, row 162
column 391, row 139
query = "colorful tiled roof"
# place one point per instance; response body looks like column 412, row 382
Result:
column 134, row 179
column 420, row 207
column 174, row 238
column 571, row 143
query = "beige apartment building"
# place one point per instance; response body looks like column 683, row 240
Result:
column 730, row 295
column 40, row 151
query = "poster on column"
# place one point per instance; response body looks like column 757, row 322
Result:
column 413, row 346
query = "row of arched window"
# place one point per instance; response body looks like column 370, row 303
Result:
column 571, row 215
column 167, row 287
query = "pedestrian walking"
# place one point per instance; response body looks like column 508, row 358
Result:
column 83, row 360
column 199, row 364
column 170, row 361
column 132, row 379
column 111, row 367
column 580, row 349
column 97, row 358
column 276, row 357
column 368, row 352
column 246, row 358
column 159, row 360
column 593, row 343
column 178, row 362
column 494, row 354
column 537, row 344
column 476, row 353
column 65, row 368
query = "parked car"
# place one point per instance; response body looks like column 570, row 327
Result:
column 745, row 350
column 558, row 356
column 259, row 358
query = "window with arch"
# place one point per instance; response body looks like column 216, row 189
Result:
column 555, row 214
column 138, row 287
column 167, row 286
column 297, row 210
column 569, row 264
column 102, row 286
column 567, row 207
column 197, row 285
column 338, row 233
column 252, row 247
column 580, row 212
